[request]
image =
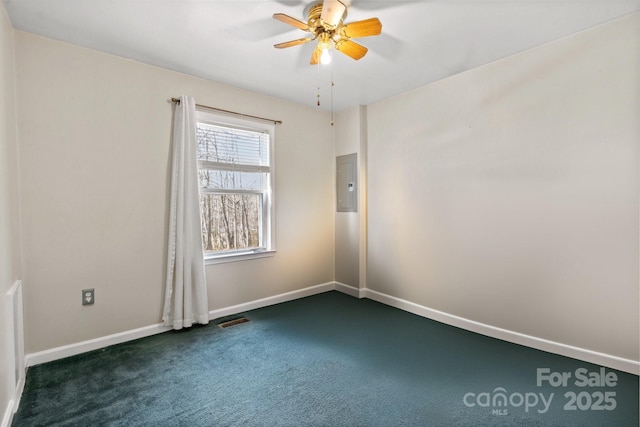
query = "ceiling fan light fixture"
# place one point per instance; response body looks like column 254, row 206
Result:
column 325, row 57
column 324, row 44
column 325, row 41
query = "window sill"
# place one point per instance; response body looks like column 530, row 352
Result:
column 237, row 256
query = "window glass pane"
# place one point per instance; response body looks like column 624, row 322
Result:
column 232, row 146
column 230, row 221
column 221, row 179
column 234, row 172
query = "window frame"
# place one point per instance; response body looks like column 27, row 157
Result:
column 267, row 215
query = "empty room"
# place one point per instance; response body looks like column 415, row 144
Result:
column 319, row 213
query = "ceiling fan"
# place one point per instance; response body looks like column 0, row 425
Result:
column 325, row 23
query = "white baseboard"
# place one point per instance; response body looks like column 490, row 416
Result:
column 276, row 299
column 93, row 344
column 56, row 353
column 614, row 362
column 16, row 360
column 350, row 290
column 11, row 408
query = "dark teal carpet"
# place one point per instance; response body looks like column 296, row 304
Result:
column 325, row 360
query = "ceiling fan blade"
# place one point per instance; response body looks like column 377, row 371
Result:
column 365, row 28
column 332, row 12
column 315, row 56
column 292, row 43
column 291, row 21
column 350, row 48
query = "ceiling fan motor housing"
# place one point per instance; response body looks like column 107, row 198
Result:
column 315, row 22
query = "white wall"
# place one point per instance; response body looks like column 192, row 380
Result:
column 94, row 133
column 9, row 210
column 508, row 195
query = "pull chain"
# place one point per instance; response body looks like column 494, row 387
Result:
column 332, row 85
column 318, row 84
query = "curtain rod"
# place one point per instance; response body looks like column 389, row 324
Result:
column 277, row 122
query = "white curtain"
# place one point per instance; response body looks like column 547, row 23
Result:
column 186, row 293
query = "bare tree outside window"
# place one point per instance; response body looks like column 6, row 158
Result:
column 230, row 221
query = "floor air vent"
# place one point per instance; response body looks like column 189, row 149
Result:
column 233, row 322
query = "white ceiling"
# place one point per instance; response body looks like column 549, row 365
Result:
column 232, row 41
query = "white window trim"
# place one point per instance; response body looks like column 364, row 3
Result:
column 238, row 256
column 269, row 235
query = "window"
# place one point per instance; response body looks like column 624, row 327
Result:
column 235, row 168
